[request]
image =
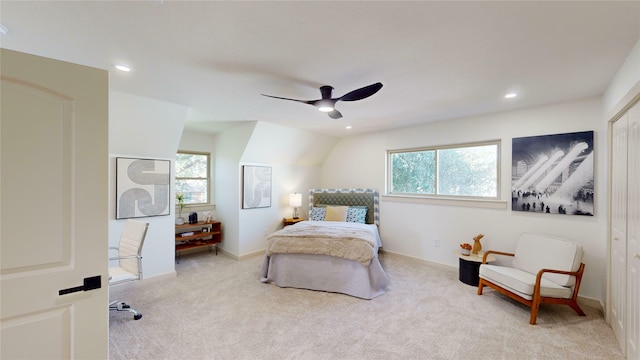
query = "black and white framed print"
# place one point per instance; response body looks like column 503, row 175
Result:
column 142, row 187
column 553, row 174
column 256, row 186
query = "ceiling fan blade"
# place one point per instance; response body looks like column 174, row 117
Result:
column 335, row 114
column 361, row 93
column 310, row 102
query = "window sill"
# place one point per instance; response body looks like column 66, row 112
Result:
column 198, row 207
column 476, row 203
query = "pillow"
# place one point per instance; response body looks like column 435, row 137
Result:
column 357, row 214
column 336, row 213
column 317, row 213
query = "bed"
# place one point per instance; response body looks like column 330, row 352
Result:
column 332, row 256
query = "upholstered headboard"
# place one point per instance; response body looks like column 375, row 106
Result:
column 349, row 197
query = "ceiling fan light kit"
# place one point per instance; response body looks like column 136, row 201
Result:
column 327, row 103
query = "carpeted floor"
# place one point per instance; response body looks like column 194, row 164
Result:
column 216, row 308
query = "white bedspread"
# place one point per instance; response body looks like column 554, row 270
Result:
column 354, row 241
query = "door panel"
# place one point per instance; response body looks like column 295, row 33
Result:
column 41, row 177
column 633, row 234
column 54, row 322
column 53, row 216
column 618, row 228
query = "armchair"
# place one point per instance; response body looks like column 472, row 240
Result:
column 545, row 269
column 129, row 267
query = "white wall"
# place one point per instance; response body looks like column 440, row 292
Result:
column 150, row 129
column 295, row 157
column 229, row 149
column 626, row 78
column 257, row 223
column 411, row 228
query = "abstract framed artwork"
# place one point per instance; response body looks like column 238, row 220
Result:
column 553, row 174
column 256, row 186
column 142, row 187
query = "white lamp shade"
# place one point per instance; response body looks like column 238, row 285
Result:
column 295, row 200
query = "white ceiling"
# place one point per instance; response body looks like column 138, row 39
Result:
column 437, row 60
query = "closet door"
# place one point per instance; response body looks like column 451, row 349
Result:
column 619, row 229
column 633, row 233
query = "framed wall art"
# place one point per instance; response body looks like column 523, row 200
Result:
column 142, row 187
column 553, row 174
column 256, row 186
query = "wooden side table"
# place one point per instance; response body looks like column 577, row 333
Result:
column 469, row 270
column 205, row 234
column 291, row 221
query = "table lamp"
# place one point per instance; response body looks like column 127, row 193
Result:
column 295, row 200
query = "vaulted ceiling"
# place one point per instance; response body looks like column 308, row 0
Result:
column 437, row 60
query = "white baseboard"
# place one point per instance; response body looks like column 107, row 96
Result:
column 250, row 255
column 417, row 259
column 241, row 257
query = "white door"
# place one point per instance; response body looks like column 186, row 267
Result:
column 53, row 217
column 633, row 234
column 618, row 229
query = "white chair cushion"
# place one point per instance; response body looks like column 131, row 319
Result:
column 118, row 274
column 522, row 282
column 535, row 252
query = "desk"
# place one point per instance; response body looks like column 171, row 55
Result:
column 470, row 267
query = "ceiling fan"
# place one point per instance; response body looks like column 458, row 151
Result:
column 327, row 103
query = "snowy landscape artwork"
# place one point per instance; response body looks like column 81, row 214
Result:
column 553, row 174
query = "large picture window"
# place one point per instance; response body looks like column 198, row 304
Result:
column 192, row 177
column 468, row 171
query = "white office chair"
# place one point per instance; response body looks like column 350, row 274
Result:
column 129, row 258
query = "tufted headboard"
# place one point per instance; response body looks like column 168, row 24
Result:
column 349, row 197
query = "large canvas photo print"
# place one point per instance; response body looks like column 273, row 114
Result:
column 553, row 174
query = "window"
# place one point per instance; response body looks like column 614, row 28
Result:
column 192, row 177
column 469, row 171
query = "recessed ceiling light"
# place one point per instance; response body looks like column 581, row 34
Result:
column 348, row 127
column 122, row 68
column 510, row 96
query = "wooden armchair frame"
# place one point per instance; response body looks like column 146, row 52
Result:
column 534, row 303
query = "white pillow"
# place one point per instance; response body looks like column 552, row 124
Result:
column 336, row 213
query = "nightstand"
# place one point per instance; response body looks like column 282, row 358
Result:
column 291, row 221
column 470, row 267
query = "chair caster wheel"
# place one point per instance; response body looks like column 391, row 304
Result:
column 137, row 317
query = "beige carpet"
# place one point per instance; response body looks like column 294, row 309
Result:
column 216, row 308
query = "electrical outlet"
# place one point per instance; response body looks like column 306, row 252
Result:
column 436, row 242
